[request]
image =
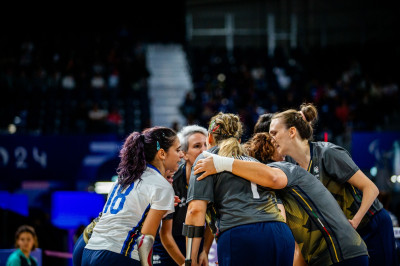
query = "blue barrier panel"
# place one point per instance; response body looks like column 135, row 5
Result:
column 54, row 157
column 370, row 148
column 70, row 209
column 14, row 202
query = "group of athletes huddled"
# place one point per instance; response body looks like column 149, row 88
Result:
column 278, row 199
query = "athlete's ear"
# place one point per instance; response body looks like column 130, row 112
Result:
column 292, row 132
column 162, row 154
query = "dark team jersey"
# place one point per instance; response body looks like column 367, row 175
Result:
column 333, row 166
column 236, row 200
column 160, row 255
column 318, row 224
column 180, row 187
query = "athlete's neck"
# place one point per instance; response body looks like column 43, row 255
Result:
column 159, row 165
column 301, row 153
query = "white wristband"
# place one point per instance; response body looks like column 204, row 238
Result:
column 221, row 163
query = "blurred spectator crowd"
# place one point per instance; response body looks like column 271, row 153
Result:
column 71, row 83
column 352, row 92
column 97, row 84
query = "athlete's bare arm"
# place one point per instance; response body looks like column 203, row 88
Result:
column 152, row 222
column 370, row 192
column 208, row 240
column 256, row 172
column 169, row 243
column 196, row 215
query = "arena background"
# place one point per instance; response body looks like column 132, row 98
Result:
column 76, row 80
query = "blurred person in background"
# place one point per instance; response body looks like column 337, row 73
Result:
column 97, row 118
column 25, row 241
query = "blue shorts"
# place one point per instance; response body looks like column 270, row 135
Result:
column 106, row 258
column 78, row 251
column 379, row 237
column 267, row 243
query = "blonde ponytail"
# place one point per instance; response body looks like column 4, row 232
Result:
column 230, row 148
column 227, row 130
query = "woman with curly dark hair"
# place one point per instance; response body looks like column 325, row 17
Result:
column 124, row 234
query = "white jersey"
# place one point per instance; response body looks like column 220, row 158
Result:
column 125, row 211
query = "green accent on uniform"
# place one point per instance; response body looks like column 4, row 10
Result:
column 335, row 168
column 318, row 225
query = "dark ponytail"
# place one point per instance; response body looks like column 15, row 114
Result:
column 133, row 160
column 140, row 149
column 263, row 123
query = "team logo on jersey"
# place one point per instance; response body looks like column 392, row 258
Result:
column 316, row 170
column 183, row 202
column 156, row 259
